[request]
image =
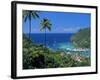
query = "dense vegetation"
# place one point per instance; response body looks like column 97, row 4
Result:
column 82, row 38
column 38, row 56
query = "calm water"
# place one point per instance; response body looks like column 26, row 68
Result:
column 52, row 40
column 56, row 41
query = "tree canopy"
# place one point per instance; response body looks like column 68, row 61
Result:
column 82, row 38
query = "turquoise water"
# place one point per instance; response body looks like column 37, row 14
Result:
column 69, row 47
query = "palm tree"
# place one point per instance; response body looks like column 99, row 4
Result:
column 28, row 15
column 45, row 24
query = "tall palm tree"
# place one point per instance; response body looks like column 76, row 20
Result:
column 45, row 24
column 28, row 15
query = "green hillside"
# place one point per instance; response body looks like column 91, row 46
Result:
column 82, row 38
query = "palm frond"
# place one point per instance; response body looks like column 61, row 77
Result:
column 25, row 15
column 49, row 28
column 35, row 15
column 45, row 23
column 25, row 18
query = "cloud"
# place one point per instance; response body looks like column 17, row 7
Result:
column 69, row 30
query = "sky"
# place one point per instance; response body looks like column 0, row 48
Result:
column 62, row 22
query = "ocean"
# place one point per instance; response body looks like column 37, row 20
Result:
column 55, row 41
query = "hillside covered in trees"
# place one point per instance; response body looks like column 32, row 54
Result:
column 82, row 38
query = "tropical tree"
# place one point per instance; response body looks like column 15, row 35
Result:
column 28, row 15
column 45, row 24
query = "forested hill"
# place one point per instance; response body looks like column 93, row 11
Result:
column 82, row 38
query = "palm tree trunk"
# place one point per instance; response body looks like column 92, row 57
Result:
column 45, row 37
column 30, row 29
column 45, row 47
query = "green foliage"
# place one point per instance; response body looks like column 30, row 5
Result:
column 38, row 56
column 45, row 23
column 82, row 38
